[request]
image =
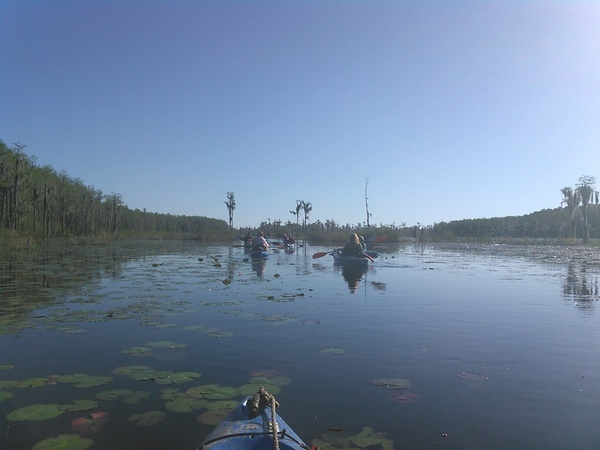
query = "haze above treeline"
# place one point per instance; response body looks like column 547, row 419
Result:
column 39, row 202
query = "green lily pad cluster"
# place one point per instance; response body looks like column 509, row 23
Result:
column 146, row 373
column 66, row 441
column 127, row 396
column 207, row 396
column 79, row 380
column 393, row 383
column 348, row 441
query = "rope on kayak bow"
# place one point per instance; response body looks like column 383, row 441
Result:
column 261, row 399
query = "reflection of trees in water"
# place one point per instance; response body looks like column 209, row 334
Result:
column 581, row 284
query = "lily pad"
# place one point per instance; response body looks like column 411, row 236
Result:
column 32, row 382
column 222, row 404
column 5, row 395
column 393, row 383
column 126, row 396
column 148, row 418
column 220, row 334
column 220, row 393
column 36, row 412
column 199, row 328
column 90, row 424
column 64, row 441
column 184, row 404
column 472, row 376
column 213, row 417
column 367, row 438
column 333, row 350
column 251, row 389
column 165, row 344
column 80, row 405
column 81, row 380
column 130, row 370
column 138, row 351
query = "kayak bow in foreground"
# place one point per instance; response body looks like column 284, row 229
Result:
column 254, row 425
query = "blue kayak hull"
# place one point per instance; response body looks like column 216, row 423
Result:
column 350, row 261
column 239, row 432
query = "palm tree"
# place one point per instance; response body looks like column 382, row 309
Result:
column 586, row 192
column 571, row 200
column 230, row 207
column 307, row 207
column 298, row 208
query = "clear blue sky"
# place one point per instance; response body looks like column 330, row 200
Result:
column 452, row 109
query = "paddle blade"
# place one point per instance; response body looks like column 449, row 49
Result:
column 319, row 255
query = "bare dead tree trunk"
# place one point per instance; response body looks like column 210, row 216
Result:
column 367, row 203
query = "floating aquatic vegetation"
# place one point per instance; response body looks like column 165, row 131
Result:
column 147, row 419
column 252, row 388
column 91, row 424
column 393, row 383
column 5, row 395
column 214, row 392
column 405, row 397
column 339, row 439
column 130, row 370
column 126, row 396
column 199, row 328
column 6, row 367
column 333, row 350
column 182, row 403
column 472, row 376
column 268, row 373
column 31, row 382
column 165, row 344
column 138, row 351
column 81, row 380
column 368, row 438
column 220, row 334
column 213, row 417
column 80, row 405
column 222, row 404
column 72, row 330
column 64, row 441
column 36, row 412
column 277, row 380
column 165, row 326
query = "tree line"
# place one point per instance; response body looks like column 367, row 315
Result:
column 41, row 202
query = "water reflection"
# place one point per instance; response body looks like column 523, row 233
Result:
column 259, row 265
column 353, row 275
column 581, row 284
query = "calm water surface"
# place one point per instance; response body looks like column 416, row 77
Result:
column 500, row 344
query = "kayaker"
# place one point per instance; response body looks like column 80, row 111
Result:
column 259, row 242
column 352, row 247
column 363, row 243
column 288, row 239
column 248, row 240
